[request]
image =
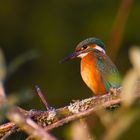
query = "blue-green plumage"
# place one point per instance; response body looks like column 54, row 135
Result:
column 90, row 41
column 108, row 70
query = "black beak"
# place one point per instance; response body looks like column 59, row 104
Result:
column 71, row 56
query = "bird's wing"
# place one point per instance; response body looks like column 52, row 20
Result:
column 108, row 70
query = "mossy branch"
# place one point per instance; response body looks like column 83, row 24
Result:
column 53, row 118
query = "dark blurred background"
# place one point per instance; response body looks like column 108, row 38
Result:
column 51, row 29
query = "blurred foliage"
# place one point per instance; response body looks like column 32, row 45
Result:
column 53, row 28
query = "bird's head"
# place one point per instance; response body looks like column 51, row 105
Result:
column 86, row 46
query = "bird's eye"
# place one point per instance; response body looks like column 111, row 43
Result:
column 81, row 48
column 84, row 47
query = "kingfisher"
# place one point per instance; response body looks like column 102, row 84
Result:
column 97, row 70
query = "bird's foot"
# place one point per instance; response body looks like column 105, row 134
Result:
column 114, row 91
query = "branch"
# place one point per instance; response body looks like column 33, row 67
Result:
column 119, row 26
column 28, row 125
column 57, row 117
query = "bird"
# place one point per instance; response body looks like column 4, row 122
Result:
column 97, row 70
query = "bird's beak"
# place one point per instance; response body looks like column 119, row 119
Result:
column 71, row 56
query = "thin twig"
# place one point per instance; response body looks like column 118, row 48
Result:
column 119, row 26
column 2, row 94
column 12, row 131
column 28, row 125
column 42, row 97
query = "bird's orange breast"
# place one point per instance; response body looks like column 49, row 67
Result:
column 91, row 74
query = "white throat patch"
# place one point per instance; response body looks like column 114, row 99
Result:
column 82, row 55
column 100, row 49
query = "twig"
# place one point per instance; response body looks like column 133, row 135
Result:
column 2, row 94
column 42, row 97
column 119, row 25
column 13, row 130
column 29, row 125
column 7, row 129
